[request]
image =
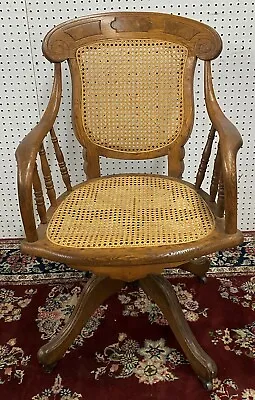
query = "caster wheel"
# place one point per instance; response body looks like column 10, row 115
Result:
column 208, row 385
column 202, row 279
column 49, row 368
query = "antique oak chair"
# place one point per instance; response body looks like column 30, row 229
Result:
column 132, row 78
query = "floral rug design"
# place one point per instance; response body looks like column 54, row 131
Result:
column 57, row 391
column 152, row 363
column 248, row 394
column 126, row 350
column 241, row 341
column 243, row 295
column 240, row 255
column 21, row 268
column 228, row 389
column 11, row 305
column 12, row 362
column 137, row 302
column 57, row 309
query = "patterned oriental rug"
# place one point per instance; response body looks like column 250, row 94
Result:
column 126, row 351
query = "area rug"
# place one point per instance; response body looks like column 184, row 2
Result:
column 126, row 351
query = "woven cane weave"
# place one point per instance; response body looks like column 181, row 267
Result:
column 136, row 210
column 132, row 93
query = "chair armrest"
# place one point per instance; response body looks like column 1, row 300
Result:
column 230, row 142
column 27, row 151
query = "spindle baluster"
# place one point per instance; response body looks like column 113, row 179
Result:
column 47, row 177
column 60, row 160
column 39, row 199
column 205, row 158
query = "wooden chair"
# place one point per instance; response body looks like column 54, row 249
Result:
column 132, row 77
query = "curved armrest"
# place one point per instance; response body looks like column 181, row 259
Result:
column 230, row 142
column 26, row 154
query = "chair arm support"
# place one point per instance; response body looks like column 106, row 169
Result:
column 27, row 151
column 230, row 142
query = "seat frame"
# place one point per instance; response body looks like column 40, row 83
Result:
column 116, row 266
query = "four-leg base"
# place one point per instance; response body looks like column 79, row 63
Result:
column 98, row 289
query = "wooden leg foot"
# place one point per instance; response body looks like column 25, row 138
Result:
column 198, row 267
column 162, row 292
column 202, row 279
column 208, row 385
column 48, row 368
column 96, row 291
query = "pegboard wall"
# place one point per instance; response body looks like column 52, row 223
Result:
column 26, row 79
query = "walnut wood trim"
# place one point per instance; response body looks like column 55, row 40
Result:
column 62, row 41
column 26, row 155
column 230, row 142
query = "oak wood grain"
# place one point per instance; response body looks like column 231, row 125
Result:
column 198, row 267
column 230, row 142
column 62, row 41
column 221, row 199
column 26, row 154
column 215, row 176
column 117, row 264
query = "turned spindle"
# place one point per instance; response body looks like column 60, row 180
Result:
column 205, row 158
column 215, row 176
column 61, row 161
column 47, row 177
column 221, row 201
column 39, row 199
